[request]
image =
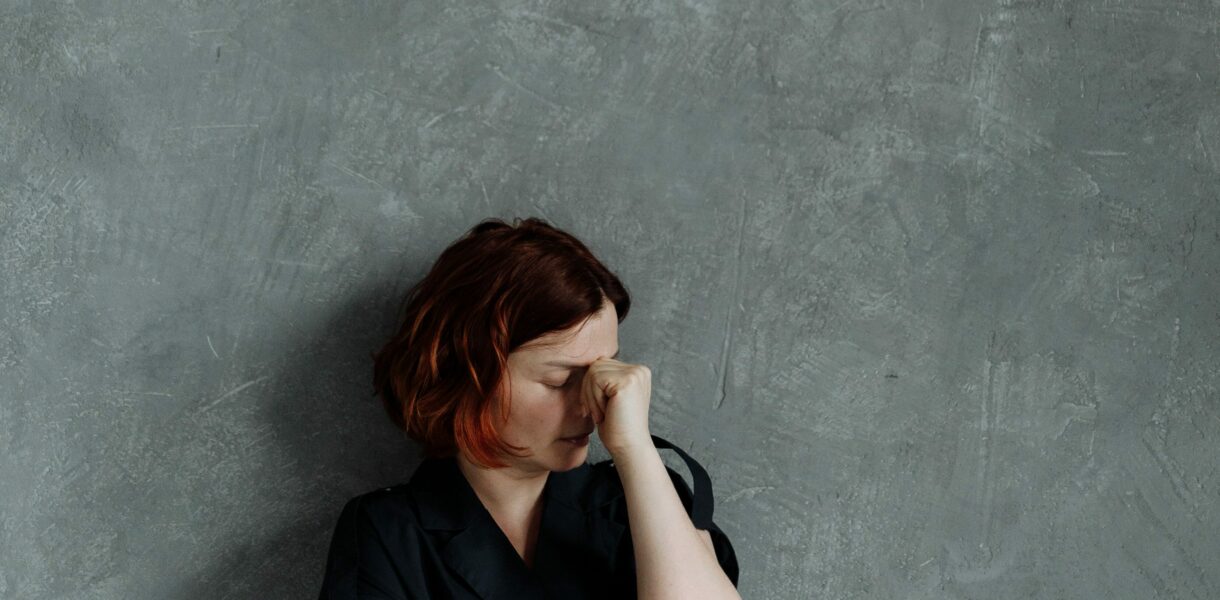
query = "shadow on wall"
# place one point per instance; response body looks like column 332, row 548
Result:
column 331, row 440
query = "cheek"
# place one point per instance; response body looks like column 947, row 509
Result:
column 535, row 413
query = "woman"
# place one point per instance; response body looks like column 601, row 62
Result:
column 504, row 365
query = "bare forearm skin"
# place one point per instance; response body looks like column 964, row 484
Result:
column 672, row 561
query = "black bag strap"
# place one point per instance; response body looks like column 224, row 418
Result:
column 701, row 508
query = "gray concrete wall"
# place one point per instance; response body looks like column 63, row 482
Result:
column 930, row 286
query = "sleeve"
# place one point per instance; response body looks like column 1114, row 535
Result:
column 359, row 565
column 699, row 505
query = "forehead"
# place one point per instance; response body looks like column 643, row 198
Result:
column 597, row 336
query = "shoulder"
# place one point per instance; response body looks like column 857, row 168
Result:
column 382, row 497
column 385, row 509
column 374, row 540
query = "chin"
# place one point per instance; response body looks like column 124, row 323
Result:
column 571, row 459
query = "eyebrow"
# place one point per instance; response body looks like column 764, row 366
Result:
column 556, row 363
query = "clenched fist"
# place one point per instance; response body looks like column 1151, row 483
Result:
column 617, row 395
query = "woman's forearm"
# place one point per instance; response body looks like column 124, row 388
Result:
column 671, row 560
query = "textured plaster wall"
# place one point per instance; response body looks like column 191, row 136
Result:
column 929, row 286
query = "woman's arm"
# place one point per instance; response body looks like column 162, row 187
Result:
column 672, row 558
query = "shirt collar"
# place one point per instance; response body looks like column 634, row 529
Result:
column 448, row 502
column 575, row 539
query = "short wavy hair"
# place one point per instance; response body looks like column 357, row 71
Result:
column 497, row 287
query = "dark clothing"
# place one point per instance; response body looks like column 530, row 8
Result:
column 432, row 538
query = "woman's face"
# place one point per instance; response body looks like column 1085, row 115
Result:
column 545, row 376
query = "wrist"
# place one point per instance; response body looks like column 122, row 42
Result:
column 628, row 454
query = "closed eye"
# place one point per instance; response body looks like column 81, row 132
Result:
column 557, row 387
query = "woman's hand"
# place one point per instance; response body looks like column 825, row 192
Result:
column 618, row 394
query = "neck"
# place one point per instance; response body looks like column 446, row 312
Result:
column 509, row 490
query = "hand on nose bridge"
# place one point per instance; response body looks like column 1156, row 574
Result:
column 577, row 396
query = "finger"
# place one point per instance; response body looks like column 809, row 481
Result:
column 594, row 410
column 599, row 395
column 586, row 398
column 599, row 400
column 593, row 391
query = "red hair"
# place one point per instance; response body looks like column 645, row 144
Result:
column 499, row 286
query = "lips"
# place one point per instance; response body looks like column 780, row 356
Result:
column 577, row 437
column 578, row 442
